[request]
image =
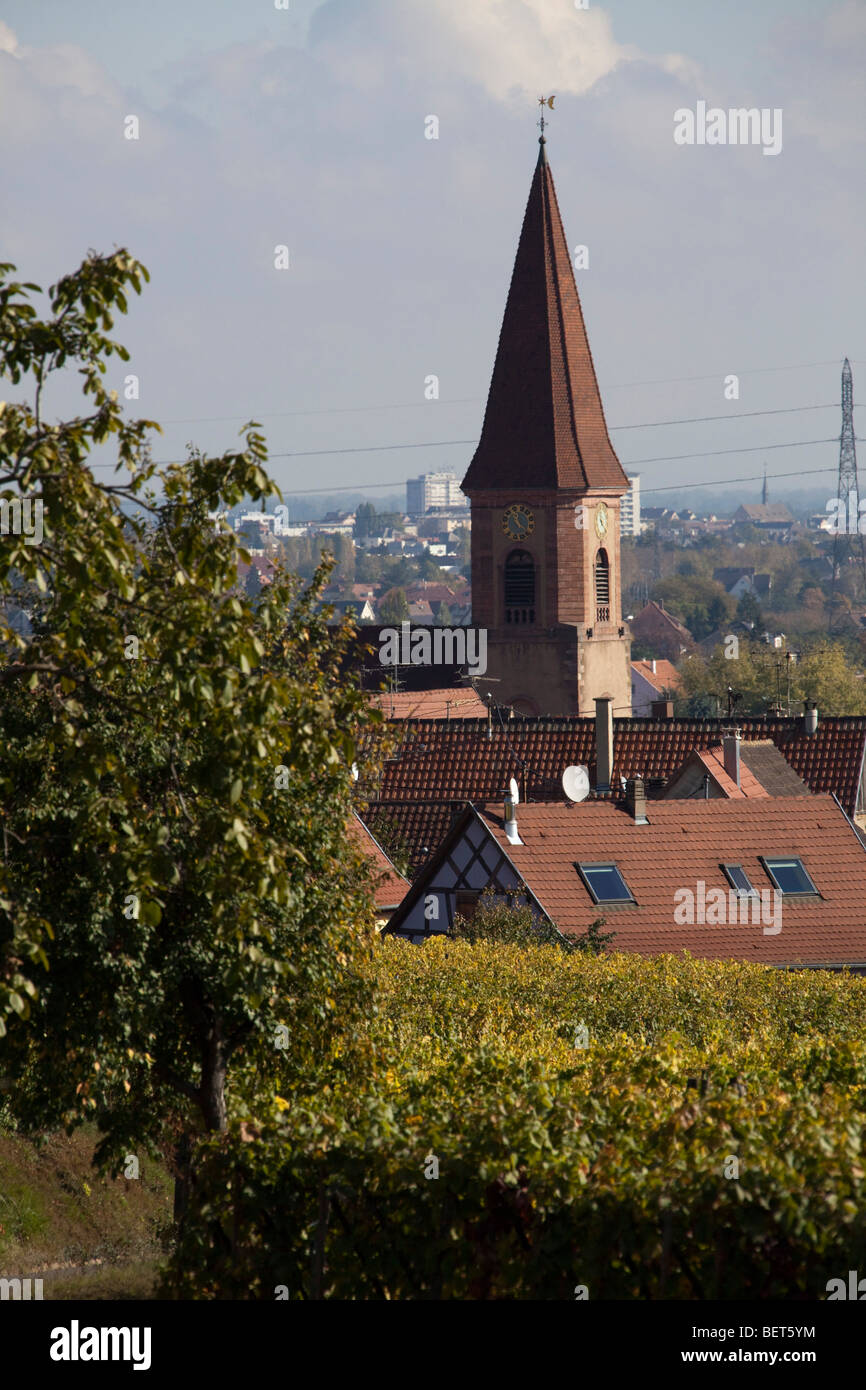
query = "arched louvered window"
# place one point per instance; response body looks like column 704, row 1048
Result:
column 520, row 587
column 602, row 588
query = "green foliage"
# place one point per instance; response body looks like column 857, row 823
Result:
column 164, row 903
column 760, row 672
column 508, row 921
column 605, row 1160
column 394, row 607
column 505, row 920
column 700, row 603
column 749, row 611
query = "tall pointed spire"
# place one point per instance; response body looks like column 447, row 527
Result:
column 544, row 426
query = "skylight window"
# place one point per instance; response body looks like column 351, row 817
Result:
column 789, row 876
column 605, row 883
column 739, row 879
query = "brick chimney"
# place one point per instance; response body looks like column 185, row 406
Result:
column 662, row 709
column 731, row 756
column 635, row 800
column 603, row 742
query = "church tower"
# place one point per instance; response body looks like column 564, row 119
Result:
column 545, row 486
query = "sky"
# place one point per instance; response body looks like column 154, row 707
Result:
column 305, row 128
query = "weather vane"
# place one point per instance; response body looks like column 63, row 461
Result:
column 545, row 101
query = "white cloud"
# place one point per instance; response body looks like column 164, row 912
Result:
column 8, row 41
column 509, row 47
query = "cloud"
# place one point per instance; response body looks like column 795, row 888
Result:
column 509, row 47
column 8, row 41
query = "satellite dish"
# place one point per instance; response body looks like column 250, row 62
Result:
column 575, row 783
column 515, row 791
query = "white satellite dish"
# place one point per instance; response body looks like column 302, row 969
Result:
column 515, row 791
column 575, row 783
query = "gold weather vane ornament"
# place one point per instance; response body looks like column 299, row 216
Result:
column 545, row 101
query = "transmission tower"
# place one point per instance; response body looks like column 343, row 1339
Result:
column 848, row 545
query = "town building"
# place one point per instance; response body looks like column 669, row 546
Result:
column 775, row 881
column 658, row 629
column 629, row 508
column 433, row 490
column 651, row 681
column 766, row 516
column 545, row 487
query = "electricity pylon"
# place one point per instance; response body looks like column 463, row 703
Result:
column 848, row 547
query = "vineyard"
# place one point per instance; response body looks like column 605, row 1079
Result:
column 534, row 1125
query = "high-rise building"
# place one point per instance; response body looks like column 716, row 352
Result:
column 433, row 490
column 545, row 486
column 629, row 508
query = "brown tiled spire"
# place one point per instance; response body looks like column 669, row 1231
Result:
column 544, row 424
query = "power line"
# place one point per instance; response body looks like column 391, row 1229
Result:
column 725, row 482
column 370, row 487
column 741, row 415
column 443, row 443
column 421, row 405
column 714, row 453
column 472, row 400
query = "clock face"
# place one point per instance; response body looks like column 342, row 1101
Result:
column 601, row 520
column 518, row 522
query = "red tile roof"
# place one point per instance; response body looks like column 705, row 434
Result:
column 391, row 887
column 414, row 827
column 664, row 677
column 456, row 760
column 544, row 426
column 683, row 844
column 714, row 762
column 431, row 704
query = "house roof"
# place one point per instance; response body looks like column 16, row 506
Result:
column 765, row 512
column 684, row 843
column 730, row 575
column 544, row 425
column 451, row 703
column 390, row 886
column 713, row 762
column 657, row 612
column 772, row 768
column 463, row 759
column 664, row 677
column 420, row 825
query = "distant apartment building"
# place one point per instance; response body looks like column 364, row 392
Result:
column 433, row 490
column 629, row 508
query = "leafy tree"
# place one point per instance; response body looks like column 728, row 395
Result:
column 253, row 583
column 823, row 674
column 364, row 520
column 508, row 921
column 749, row 611
column 394, row 607
column 174, row 772
column 700, row 603
column 444, row 618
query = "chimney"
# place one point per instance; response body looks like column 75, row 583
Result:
column 511, row 820
column 635, row 800
column 810, row 719
column 731, row 756
column 603, row 742
column 653, row 663
column 662, row 709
